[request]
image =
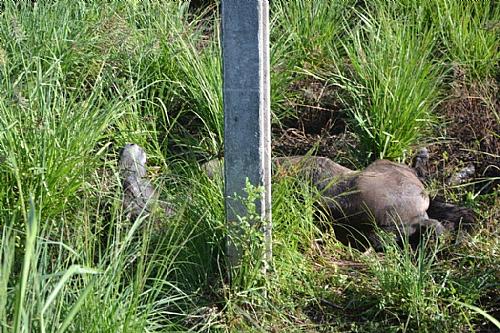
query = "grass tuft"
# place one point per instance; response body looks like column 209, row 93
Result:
column 394, row 86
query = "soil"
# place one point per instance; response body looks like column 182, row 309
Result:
column 319, row 125
column 472, row 132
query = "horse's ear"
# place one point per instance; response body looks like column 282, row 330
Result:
column 420, row 163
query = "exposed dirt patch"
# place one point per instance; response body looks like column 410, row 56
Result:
column 472, row 131
column 294, row 141
column 319, row 126
column 316, row 107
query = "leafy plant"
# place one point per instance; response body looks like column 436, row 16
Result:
column 393, row 84
column 469, row 32
column 305, row 37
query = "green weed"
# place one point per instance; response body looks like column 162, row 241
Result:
column 394, row 85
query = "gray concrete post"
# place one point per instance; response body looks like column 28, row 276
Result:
column 247, row 120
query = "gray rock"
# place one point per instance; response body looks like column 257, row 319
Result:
column 213, row 168
column 132, row 161
column 421, row 163
column 462, row 176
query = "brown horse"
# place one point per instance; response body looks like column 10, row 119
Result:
column 386, row 195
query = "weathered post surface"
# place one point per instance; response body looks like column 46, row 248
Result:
column 247, row 120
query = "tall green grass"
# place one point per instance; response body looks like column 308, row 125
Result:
column 412, row 290
column 192, row 65
column 469, row 32
column 306, row 36
column 409, row 286
column 311, row 28
column 129, row 286
column 73, row 86
column 397, row 58
column 49, row 140
column 53, row 123
column 392, row 83
column 79, row 79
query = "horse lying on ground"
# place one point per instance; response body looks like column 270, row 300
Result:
column 385, row 195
